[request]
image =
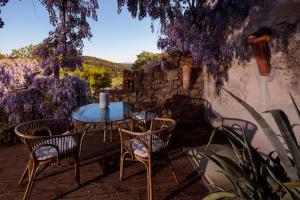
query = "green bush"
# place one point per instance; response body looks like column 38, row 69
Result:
column 97, row 77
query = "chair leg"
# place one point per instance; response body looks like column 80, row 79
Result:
column 150, row 187
column 41, row 169
column 77, row 171
column 32, row 170
column 25, row 173
column 148, row 194
column 122, row 157
column 172, row 168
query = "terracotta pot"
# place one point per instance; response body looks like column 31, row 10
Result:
column 262, row 53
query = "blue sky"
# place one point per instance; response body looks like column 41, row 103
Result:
column 117, row 38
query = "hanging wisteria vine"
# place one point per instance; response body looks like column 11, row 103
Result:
column 63, row 47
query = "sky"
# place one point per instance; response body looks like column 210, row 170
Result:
column 117, row 38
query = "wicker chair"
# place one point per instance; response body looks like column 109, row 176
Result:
column 49, row 142
column 185, row 109
column 142, row 113
column 146, row 146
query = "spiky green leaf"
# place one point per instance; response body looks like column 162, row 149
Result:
column 295, row 105
column 288, row 135
column 270, row 134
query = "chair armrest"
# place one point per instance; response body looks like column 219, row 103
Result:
column 129, row 137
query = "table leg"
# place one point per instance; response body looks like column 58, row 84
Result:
column 103, row 148
column 110, row 129
column 86, row 129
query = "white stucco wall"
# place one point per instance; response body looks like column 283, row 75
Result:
column 263, row 93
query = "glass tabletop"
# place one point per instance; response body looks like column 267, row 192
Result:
column 93, row 112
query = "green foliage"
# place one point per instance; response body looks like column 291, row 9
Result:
column 23, row 52
column 97, row 77
column 2, row 56
column 144, row 57
column 117, row 81
column 256, row 175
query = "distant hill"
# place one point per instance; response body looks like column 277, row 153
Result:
column 115, row 69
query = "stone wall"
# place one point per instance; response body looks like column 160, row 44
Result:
column 160, row 85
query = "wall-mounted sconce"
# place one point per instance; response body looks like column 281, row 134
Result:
column 259, row 43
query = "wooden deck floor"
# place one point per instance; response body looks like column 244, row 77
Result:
column 59, row 182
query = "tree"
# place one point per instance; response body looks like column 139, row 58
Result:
column 144, row 57
column 215, row 31
column 97, row 77
column 63, row 47
column 23, row 52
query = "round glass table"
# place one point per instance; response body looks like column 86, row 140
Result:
column 92, row 114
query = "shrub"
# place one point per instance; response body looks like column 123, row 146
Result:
column 97, row 77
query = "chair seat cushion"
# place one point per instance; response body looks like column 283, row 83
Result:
column 142, row 116
column 140, row 149
column 64, row 144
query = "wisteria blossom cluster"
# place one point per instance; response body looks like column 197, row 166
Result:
column 16, row 74
column 38, row 96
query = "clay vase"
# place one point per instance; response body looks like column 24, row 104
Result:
column 261, row 52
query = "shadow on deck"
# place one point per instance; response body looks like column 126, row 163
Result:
column 59, row 182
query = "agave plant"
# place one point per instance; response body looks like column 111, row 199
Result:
column 256, row 175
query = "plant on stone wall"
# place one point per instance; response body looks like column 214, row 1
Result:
column 256, row 175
